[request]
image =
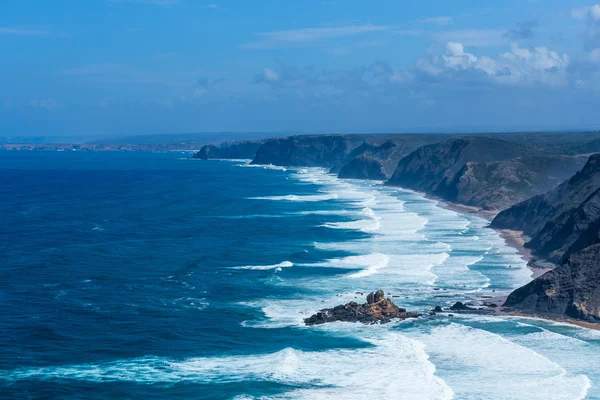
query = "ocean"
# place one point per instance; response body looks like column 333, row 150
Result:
column 153, row 276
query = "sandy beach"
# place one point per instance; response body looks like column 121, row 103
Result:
column 517, row 240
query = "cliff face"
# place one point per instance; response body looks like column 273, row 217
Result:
column 241, row 150
column 337, row 151
column 572, row 289
column 499, row 184
column 388, row 150
column 432, row 169
column 563, row 220
column 307, row 151
column 363, row 167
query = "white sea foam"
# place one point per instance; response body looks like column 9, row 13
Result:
column 285, row 264
column 393, row 365
column 415, row 245
column 264, row 166
column 480, row 364
column 300, row 198
column 371, row 224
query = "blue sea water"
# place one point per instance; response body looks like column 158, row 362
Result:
column 152, row 276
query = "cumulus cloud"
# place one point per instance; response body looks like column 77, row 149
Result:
column 582, row 13
column 524, row 30
column 280, row 74
column 519, row 66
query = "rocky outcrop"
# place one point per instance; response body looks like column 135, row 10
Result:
column 241, row 150
column 336, row 151
column 305, row 151
column 377, row 309
column 433, row 168
column 363, row 167
column 562, row 221
column 497, row 185
column 570, row 290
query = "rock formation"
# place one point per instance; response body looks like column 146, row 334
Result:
column 363, row 167
column 377, row 309
column 239, row 150
column 562, row 221
column 431, row 169
column 497, row 185
column 571, row 290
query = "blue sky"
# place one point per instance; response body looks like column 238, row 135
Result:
column 93, row 67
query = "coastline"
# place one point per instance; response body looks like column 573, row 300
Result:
column 517, row 240
column 514, row 239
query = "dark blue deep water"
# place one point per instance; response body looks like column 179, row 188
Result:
column 151, row 276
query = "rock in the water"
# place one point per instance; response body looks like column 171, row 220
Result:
column 459, row 306
column 371, row 298
column 378, row 308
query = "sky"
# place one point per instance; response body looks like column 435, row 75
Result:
column 112, row 67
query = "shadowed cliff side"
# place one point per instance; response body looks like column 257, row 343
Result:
column 500, row 184
column 432, row 168
column 563, row 220
column 241, row 150
column 570, row 290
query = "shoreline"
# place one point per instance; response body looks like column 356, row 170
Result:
column 514, row 239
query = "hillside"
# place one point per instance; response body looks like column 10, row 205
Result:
column 563, row 220
column 432, row 168
column 570, row 290
column 241, row 150
column 497, row 185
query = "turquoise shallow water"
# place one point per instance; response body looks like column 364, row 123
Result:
column 140, row 275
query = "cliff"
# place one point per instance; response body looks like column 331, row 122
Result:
column 433, row 168
column 363, row 167
column 497, row 185
column 388, row 150
column 307, row 151
column 563, row 220
column 240, row 150
column 336, row 151
column 571, row 290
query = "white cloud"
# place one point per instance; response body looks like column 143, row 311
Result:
column 437, row 20
column 519, row 66
column 309, row 35
column 270, row 75
column 583, row 13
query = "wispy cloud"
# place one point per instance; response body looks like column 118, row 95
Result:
column 444, row 20
column 585, row 12
column 310, row 35
column 22, row 32
column 215, row 7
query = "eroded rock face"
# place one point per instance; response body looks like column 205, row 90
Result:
column 570, row 290
column 562, row 221
column 377, row 309
column 363, row 167
column 239, row 150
